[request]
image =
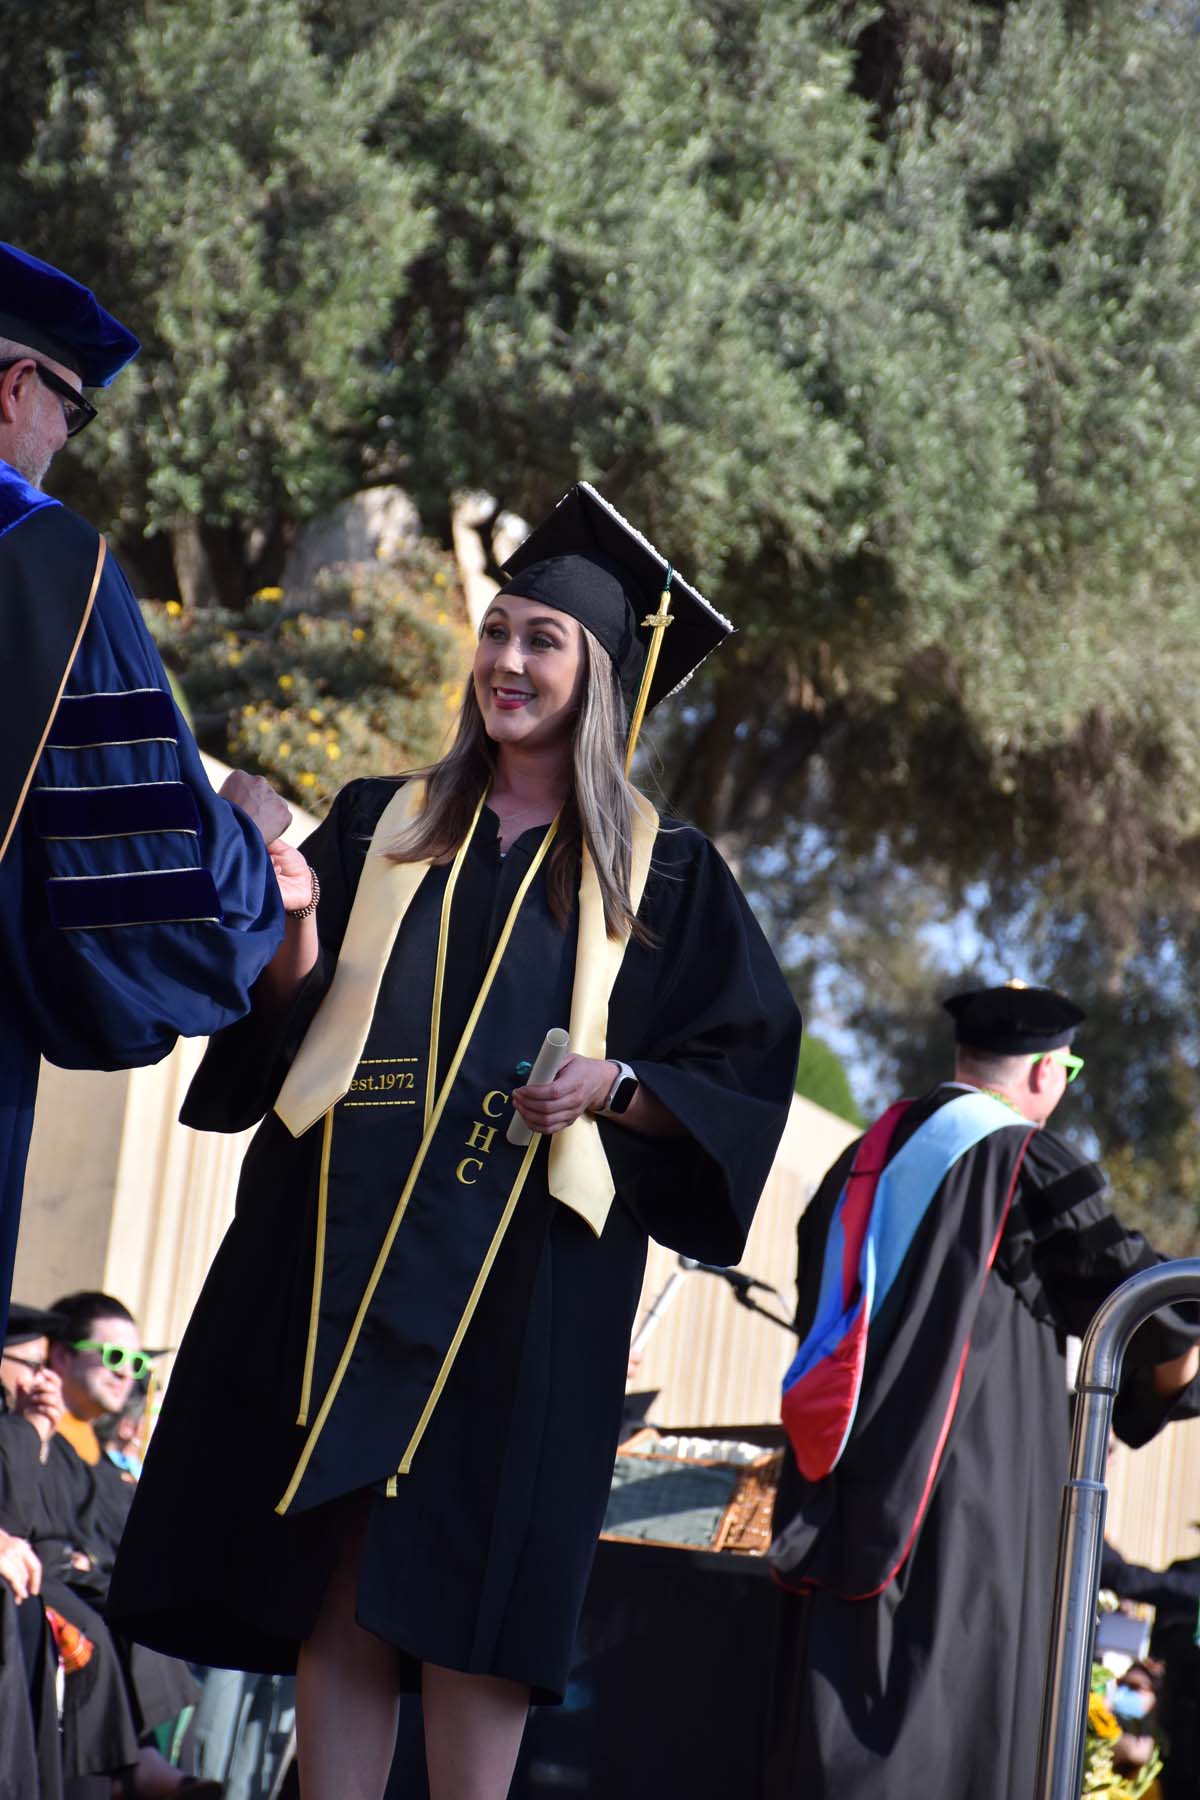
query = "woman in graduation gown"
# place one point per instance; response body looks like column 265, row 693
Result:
column 412, row 1344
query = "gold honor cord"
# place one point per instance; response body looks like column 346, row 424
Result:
column 439, row 973
column 314, row 1313
column 657, row 622
column 468, row 1314
column 364, row 1304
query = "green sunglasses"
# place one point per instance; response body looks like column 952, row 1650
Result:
column 1067, row 1060
column 117, row 1358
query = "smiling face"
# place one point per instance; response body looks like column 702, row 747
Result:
column 529, row 673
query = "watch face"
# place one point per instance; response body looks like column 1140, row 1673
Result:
column 627, row 1087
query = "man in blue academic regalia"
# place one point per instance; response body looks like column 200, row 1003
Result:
column 135, row 903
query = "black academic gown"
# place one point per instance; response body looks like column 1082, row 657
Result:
column 66, row 1506
column 934, row 1686
column 30, row 1761
column 480, row 1560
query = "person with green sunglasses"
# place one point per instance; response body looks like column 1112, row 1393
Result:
column 117, row 1357
column 1065, row 1060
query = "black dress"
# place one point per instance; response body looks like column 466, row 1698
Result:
column 934, row 1685
column 480, row 1559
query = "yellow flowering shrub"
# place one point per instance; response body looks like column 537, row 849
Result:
column 1100, row 1779
column 359, row 677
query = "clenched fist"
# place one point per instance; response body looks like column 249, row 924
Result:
column 259, row 801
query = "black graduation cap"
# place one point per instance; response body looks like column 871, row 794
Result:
column 1014, row 1020
column 28, row 1322
column 43, row 309
column 588, row 561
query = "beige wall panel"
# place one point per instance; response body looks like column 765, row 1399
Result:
column 174, row 1199
column 1154, row 1496
column 714, row 1362
column 66, row 1216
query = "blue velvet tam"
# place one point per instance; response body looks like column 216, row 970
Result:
column 47, row 311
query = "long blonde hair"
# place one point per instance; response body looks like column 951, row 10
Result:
column 598, row 809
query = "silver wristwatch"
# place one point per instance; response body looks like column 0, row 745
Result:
column 621, row 1093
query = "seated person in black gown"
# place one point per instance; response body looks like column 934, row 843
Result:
column 124, row 1691
column 29, row 1397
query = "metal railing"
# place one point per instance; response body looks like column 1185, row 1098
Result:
column 1081, row 1526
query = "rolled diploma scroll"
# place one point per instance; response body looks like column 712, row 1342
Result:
column 550, row 1059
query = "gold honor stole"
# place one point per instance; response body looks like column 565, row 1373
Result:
column 384, row 1112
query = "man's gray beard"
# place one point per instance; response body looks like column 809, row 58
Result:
column 27, row 463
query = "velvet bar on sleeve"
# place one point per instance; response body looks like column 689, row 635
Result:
column 141, row 906
column 136, row 905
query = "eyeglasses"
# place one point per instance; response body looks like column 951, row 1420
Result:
column 26, row 1362
column 117, row 1358
column 77, row 411
column 1066, row 1060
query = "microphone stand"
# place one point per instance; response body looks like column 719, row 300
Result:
column 742, row 1284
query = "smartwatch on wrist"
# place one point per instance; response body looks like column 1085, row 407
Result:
column 621, row 1093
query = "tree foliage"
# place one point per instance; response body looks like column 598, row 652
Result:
column 361, row 677
column 822, row 1079
column 214, row 178
column 879, row 317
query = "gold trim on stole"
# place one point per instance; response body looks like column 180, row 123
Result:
column 314, row 1310
column 325, row 1062
column 579, row 1174
column 101, row 553
column 410, row 1182
column 439, row 971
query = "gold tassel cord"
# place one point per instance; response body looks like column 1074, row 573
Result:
column 657, row 624
column 468, row 1315
column 314, row 1311
column 439, row 973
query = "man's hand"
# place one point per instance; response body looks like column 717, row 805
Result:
column 259, row 801
column 19, row 1567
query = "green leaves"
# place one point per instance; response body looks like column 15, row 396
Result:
column 220, row 188
column 361, row 677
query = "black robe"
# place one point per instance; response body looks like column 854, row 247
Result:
column 68, row 1507
column 480, row 1560
column 30, row 1762
column 935, row 1685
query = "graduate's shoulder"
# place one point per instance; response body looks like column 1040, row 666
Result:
column 683, row 853
column 358, row 807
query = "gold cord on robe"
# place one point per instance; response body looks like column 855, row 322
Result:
column 333, row 1045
